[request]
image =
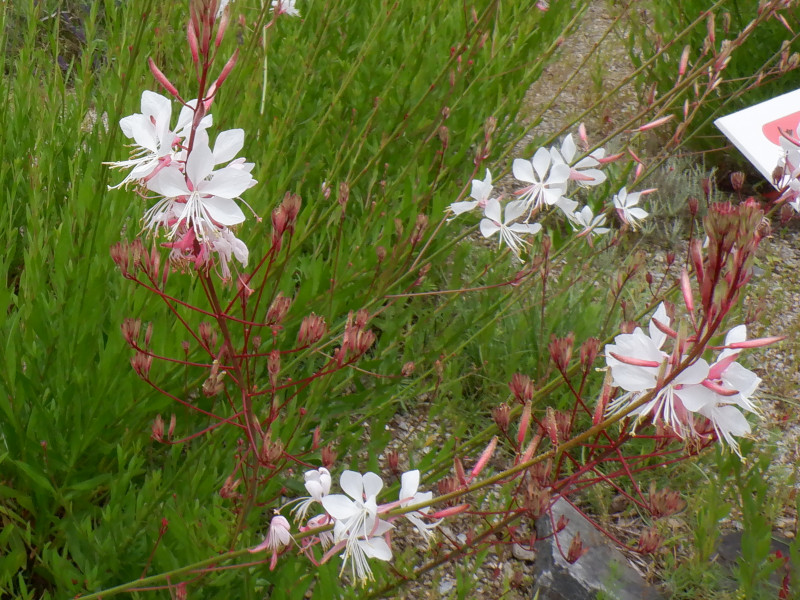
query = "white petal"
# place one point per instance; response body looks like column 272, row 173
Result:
column 568, row 148
column 482, row 189
column 223, row 210
column 352, row 484
column 694, row 373
column 514, row 211
column 541, row 162
column 697, row 397
column 169, row 182
column 492, row 210
column 155, row 105
column 227, row 182
column 409, row 482
column 200, row 162
column 559, row 174
column 339, row 506
column 372, row 484
column 461, row 207
column 376, row 548
column 523, row 170
column 489, row 228
column 227, row 145
column 658, row 336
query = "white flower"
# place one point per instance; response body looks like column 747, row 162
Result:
column 509, row 233
column 582, row 171
column 547, row 184
column 627, row 210
column 318, row 485
column 201, row 198
column 728, row 386
column 278, row 535
column 591, row 225
column 225, row 244
column 480, row 192
column 285, row 7
column 325, row 537
column 153, row 139
column 357, row 525
column 409, row 482
column 638, row 365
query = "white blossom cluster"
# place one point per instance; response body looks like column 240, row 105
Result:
column 547, row 176
column 195, row 207
column 358, row 529
column 717, row 392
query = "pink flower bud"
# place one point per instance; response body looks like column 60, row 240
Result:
column 501, row 417
column 141, row 363
column 157, row 429
column 524, row 423
column 130, row 330
column 684, row 61
column 226, row 70
column 484, row 458
column 329, row 455
column 576, row 549
column 274, row 367
column 450, row 512
column 278, row 309
column 522, row 387
column 162, row 79
column 649, row 541
column 312, row 329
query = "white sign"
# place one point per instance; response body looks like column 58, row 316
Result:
column 756, row 131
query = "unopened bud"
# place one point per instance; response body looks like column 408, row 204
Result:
column 278, row 309
column 576, row 549
column 444, row 136
column 589, row 351
column 649, row 541
column 271, row 452
column 274, row 367
column 393, row 461
column 312, row 329
column 328, row 456
column 737, row 180
column 141, row 363
column 344, row 195
column 157, row 429
column 380, row 251
column 501, row 416
column 561, row 350
column 213, row 385
column 419, row 230
column 130, row 330
column 408, row 369
column 447, row 485
column 173, row 420
column 777, row 175
column 208, row 335
column 181, row 591
column 522, row 387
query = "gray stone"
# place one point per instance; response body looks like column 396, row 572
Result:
column 602, row 570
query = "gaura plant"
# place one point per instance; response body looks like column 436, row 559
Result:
column 662, row 399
